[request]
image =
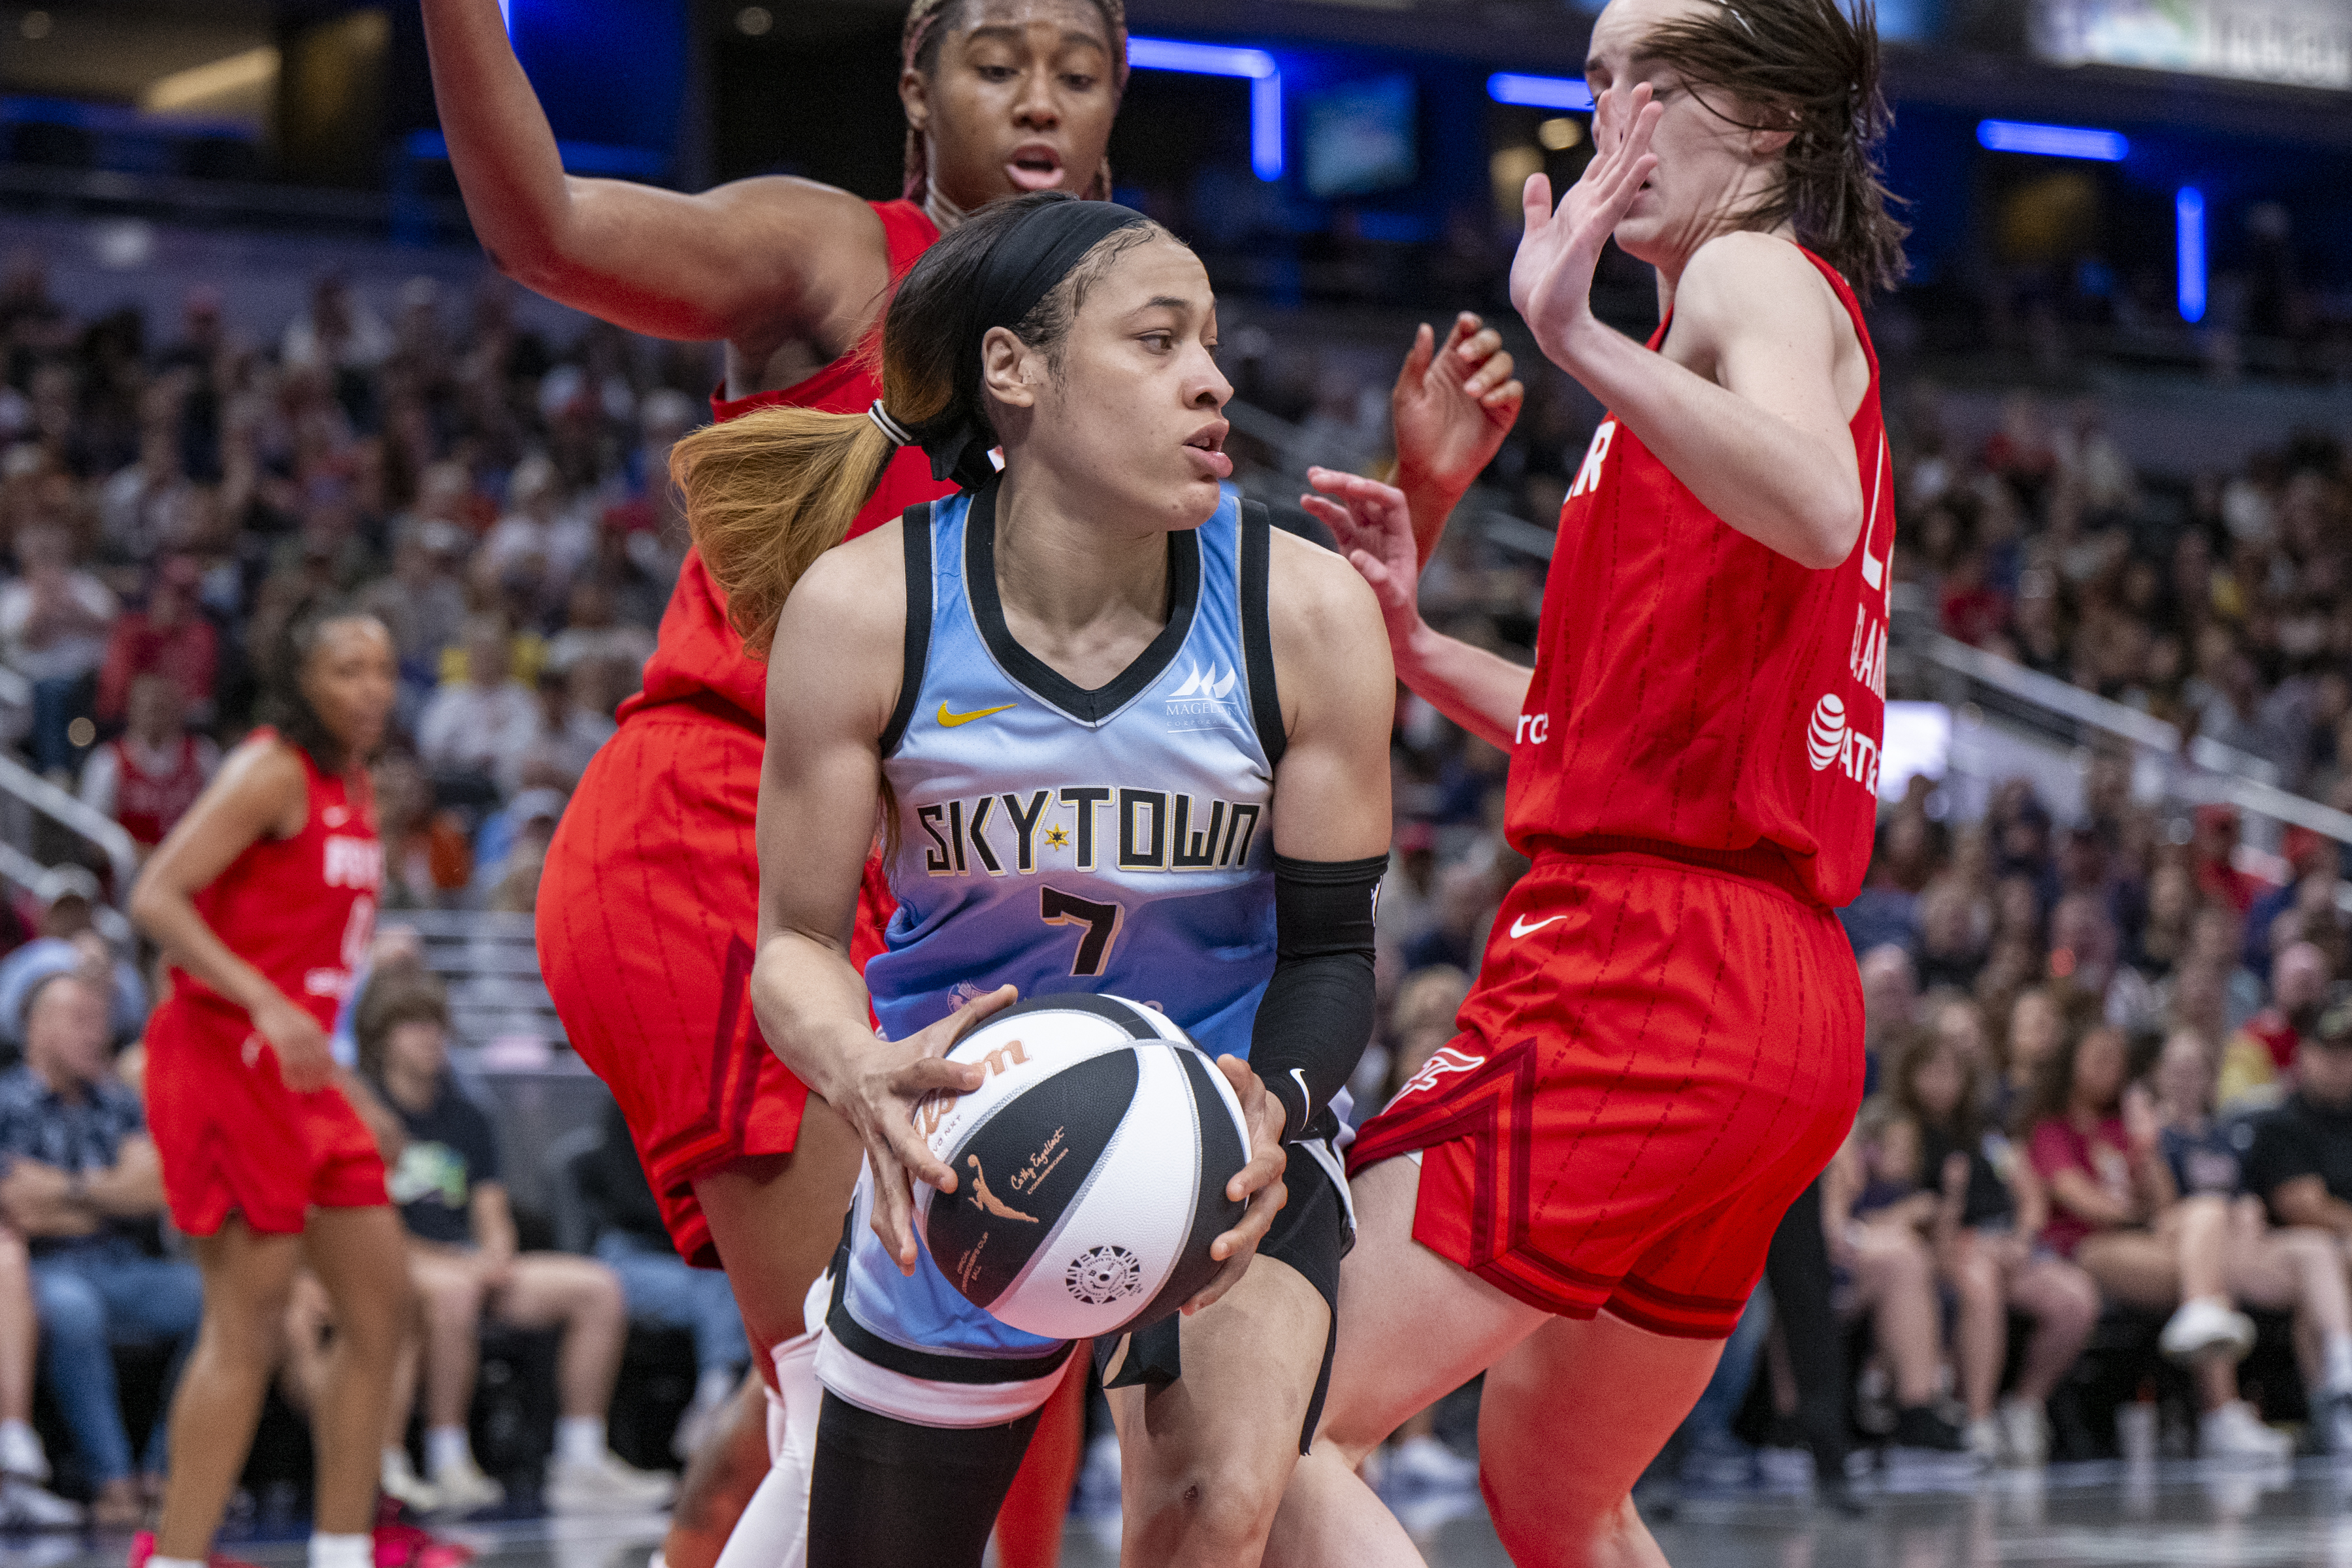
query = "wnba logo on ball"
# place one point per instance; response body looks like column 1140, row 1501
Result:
column 1826, row 739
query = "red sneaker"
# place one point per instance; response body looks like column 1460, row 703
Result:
column 399, row 1544
column 142, row 1547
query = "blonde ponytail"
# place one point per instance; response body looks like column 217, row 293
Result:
column 768, row 493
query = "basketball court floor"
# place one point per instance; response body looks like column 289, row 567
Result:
column 2091, row 1515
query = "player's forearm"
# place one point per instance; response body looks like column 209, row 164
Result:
column 1431, row 503
column 812, row 1006
column 1785, row 488
column 170, row 920
column 1481, row 692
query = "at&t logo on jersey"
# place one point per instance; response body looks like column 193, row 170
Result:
column 1831, row 739
column 1202, row 702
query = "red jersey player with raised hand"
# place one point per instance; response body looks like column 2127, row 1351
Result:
column 1664, row 1043
column 648, row 903
column 263, row 898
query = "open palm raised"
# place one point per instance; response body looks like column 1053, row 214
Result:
column 1551, row 276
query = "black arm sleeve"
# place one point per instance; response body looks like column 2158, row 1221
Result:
column 1316, row 1014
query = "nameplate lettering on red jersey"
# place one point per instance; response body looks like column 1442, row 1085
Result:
column 354, row 863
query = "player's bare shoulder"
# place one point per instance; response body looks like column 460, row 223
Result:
column 841, row 637
column 1325, row 623
column 812, row 262
column 1748, row 292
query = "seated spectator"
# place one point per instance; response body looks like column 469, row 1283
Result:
column 82, row 1184
column 54, row 622
column 1989, row 1213
column 627, row 1231
column 476, row 726
column 2258, row 1064
column 2285, row 1269
column 169, row 637
column 1873, row 1214
column 24, row 1465
column 594, row 633
column 68, row 939
column 148, row 776
column 565, row 734
column 2115, row 1210
column 467, row 1265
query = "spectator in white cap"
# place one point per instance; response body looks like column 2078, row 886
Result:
column 68, row 898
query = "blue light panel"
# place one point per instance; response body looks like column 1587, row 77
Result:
column 1220, row 59
column 2052, row 141
column 2189, row 241
column 1539, row 91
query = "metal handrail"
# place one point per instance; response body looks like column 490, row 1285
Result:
column 68, row 810
column 2240, row 777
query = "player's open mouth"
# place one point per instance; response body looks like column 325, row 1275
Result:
column 1209, row 442
column 1034, row 167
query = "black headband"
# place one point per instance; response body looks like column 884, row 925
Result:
column 1024, row 265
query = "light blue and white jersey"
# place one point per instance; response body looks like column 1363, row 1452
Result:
column 1116, row 840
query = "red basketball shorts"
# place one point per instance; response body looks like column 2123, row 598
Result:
column 647, row 911
column 233, row 1138
column 1655, row 1060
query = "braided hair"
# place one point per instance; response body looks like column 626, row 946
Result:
column 927, row 23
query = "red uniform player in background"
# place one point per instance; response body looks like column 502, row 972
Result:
column 648, row 902
column 1664, row 1047
column 263, row 897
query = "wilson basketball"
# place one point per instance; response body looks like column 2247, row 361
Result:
column 1090, row 1167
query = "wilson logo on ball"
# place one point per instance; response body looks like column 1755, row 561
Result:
column 1826, row 736
column 1105, row 1275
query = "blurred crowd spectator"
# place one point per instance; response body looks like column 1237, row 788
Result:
column 2219, row 604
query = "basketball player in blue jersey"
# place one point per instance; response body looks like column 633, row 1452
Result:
column 1121, row 737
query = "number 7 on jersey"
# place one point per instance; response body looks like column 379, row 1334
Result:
column 1101, row 920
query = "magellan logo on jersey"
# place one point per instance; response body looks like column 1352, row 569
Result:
column 1831, row 739
column 1200, row 702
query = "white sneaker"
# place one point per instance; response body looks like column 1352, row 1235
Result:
column 463, row 1489
column 398, row 1480
column 21, row 1454
column 608, row 1484
column 23, row 1506
column 2024, row 1433
column 2234, row 1432
column 1984, row 1441
column 2205, row 1325
column 1424, row 1462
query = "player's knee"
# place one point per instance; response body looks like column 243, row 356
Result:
column 1564, row 1536
column 1220, row 1508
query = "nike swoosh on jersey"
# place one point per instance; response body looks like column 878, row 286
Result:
column 1520, row 927
column 949, row 721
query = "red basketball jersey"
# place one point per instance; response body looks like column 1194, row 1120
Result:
column 1696, row 689
column 696, row 655
column 147, row 804
column 300, row 910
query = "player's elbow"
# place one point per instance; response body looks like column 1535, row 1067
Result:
column 1826, row 532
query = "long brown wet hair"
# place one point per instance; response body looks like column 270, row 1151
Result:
column 1805, row 65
